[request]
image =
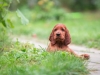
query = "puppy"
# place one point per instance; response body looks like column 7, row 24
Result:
column 60, row 39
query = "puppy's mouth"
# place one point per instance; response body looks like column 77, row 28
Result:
column 59, row 39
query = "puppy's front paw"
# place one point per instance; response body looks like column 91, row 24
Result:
column 85, row 56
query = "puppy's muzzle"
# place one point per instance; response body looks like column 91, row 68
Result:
column 58, row 34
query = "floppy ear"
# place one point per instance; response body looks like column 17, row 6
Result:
column 51, row 38
column 67, row 37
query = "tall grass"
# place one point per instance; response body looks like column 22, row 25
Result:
column 25, row 59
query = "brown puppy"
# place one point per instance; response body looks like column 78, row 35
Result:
column 59, row 40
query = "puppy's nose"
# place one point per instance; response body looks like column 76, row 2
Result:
column 58, row 34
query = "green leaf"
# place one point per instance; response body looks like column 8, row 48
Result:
column 10, row 23
column 24, row 20
column 4, row 23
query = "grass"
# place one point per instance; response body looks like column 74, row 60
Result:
column 25, row 59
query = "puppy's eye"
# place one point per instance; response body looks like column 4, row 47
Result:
column 55, row 29
column 62, row 29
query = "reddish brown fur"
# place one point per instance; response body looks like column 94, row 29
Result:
column 59, row 40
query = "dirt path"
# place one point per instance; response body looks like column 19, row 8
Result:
column 93, row 62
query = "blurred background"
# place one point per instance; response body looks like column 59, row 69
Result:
column 36, row 18
column 47, row 5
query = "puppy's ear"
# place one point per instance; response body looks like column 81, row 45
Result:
column 51, row 38
column 67, row 37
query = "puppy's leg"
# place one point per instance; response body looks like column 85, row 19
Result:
column 83, row 56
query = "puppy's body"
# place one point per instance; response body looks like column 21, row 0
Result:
column 59, row 40
column 60, row 48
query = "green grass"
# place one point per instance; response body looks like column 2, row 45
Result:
column 83, row 27
column 25, row 59
column 5, row 42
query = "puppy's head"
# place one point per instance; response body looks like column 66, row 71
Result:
column 60, row 34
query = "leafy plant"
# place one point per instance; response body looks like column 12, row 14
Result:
column 6, row 23
column 4, row 5
column 4, row 8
